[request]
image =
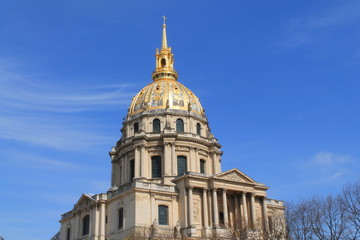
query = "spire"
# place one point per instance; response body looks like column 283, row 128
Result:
column 164, row 69
column 164, row 39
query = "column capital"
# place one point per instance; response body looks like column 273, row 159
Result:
column 252, row 194
column 190, row 188
column 224, row 190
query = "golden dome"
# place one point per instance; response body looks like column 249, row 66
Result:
column 167, row 95
column 165, row 92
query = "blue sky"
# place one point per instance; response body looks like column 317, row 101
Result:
column 279, row 81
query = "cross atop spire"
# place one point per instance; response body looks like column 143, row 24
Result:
column 164, row 17
column 164, row 38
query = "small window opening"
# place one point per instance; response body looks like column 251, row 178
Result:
column 121, row 218
column 179, row 125
column 198, row 129
column 156, row 125
column 202, row 166
column 86, row 225
column 136, row 127
column 163, row 62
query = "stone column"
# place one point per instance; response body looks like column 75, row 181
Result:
column 192, row 160
column 102, row 220
column 142, row 161
column 253, row 217
column 210, row 208
column 265, row 215
column 118, row 173
column 112, row 173
column 167, row 159
column 190, row 204
column 236, row 212
column 215, row 209
column 244, row 209
column 225, row 208
column 77, row 226
column 153, row 207
column 184, row 200
column 213, row 156
column 137, row 161
column 197, row 160
column 96, row 220
column 125, row 169
column 205, row 208
column 173, row 160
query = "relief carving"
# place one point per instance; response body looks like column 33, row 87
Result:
column 197, row 213
column 163, row 197
column 234, row 177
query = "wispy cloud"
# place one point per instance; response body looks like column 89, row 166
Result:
column 326, row 166
column 326, row 159
column 306, row 29
column 20, row 92
column 35, row 161
column 45, row 113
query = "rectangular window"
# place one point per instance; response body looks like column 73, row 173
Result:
column 68, row 234
column 182, row 165
column 163, row 215
column 156, row 166
column 121, row 218
column 202, row 166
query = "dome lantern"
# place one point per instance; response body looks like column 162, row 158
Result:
column 164, row 68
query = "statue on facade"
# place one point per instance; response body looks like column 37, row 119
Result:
column 177, row 230
column 154, row 229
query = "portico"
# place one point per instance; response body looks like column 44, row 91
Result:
column 228, row 200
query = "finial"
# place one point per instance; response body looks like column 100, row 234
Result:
column 164, row 17
column 164, row 39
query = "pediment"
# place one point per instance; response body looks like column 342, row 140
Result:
column 235, row 175
column 84, row 201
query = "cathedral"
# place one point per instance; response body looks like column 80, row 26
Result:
column 166, row 180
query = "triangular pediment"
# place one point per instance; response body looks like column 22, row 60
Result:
column 235, row 175
column 85, row 200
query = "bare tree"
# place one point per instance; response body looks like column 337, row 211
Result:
column 351, row 203
column 328, row 218
column 298, row 218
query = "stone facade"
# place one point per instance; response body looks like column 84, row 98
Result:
column 167, row 181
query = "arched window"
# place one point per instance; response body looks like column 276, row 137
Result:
column 163, row 62
column 179, row 125
column 198, row 129
column 86, row 225
column 156, row 166
column 121, row 218
column 132, row 169
column 163, row 215
column 182, row 165
column 156, row 125
column 202, row 166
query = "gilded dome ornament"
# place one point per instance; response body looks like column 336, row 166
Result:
column 165, row 92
